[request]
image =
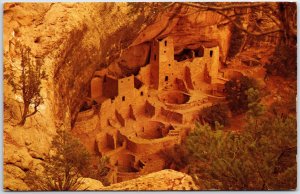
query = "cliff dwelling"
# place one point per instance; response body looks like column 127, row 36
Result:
column 149, row 96
column 140, row 115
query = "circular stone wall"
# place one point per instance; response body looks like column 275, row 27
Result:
column 174, row 97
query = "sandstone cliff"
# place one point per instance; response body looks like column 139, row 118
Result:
column 162, row 180
column 75, row 39
column 189, row 29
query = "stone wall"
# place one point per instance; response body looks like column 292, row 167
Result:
column 145, row 147
column 149, row 109
column 106, row 112
column 172, row 116
column 110, row 87
column 96, row 87
column 126, row 88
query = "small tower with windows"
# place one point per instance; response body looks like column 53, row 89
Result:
column 211, row 54
column 162, row 62
column 125, row 88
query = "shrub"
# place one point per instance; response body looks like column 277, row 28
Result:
column 216, row 113
column 101, row 170
column 63, row 166
column 236, row 95
column 260, row 158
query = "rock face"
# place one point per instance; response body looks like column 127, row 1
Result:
column 88, row 184
column 74, row 39
column 188, row 28
column 162, row 180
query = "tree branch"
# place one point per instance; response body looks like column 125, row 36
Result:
column 219, row 9
column 214, row 8
column 35, row 110
column 247, row 31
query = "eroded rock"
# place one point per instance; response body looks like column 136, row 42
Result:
column 88, row 184
column 162, row 180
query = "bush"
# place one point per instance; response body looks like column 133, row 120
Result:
column 263, row 157
column 216, row 113
column 236, row 95
column 63, row 167
column 255, row 109
column 101, row 170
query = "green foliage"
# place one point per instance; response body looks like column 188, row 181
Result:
column 273, row 137
column 244, row 161
column 101, row 171
column 63, row 167
column 217, row 113
column 235, row 90
column 255, row 109
column 223, row 158
column 26, row 80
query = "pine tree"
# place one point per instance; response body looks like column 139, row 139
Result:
column 26, row 80
column 260, row 158
column 235, row 90
column 220, row 159
column 101, row 170
column 216, row 113
column 63, row 167
column 255, row 109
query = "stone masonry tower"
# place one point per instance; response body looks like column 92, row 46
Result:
column 212, row 54
column 162, row 62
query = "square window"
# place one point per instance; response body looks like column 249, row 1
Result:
column 123, row 98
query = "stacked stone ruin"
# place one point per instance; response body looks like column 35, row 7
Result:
column 140, row 116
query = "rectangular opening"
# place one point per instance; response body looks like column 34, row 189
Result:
column 165, row 43
column 142, row 93
column 166, row 78
column 123, row 98
column 210, row 53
